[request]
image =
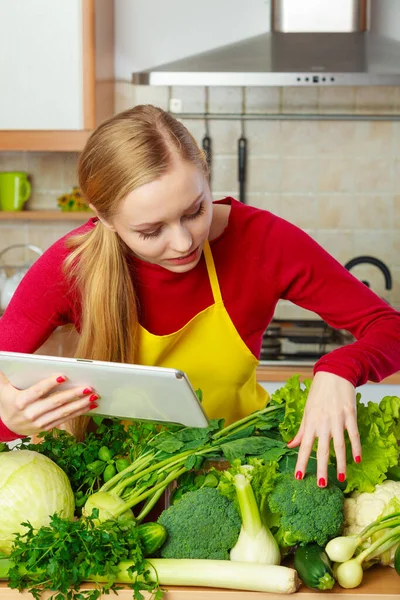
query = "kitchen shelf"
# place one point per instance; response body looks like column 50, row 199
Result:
column 45, row 215
column 43, row 141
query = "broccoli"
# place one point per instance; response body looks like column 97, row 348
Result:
column 302, row 512
column 202, row 524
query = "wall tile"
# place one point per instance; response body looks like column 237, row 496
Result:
column 373, row 242
column 12, row 161
column 264, row 175
column 336, row 138
column 224, row 136
column 395, row 260
column 225, row 99
column 46, row 170
column 375, row 99
column 192, row 97
column 299, row 99
column 158, row 95
column 396, row 138
column 70, row 167
column 46, row 200
column 372, row 212
column 264, row 137
column 299, row 138
column 335, row 175
column 336, row 100
column 336, row 212
column 270, row 202
column 44, row 236
column 124, row 96
column 396, row 213
column 300, row 210
column 263, row 100
column 395, row 293
column 374, row 138
column 298, row 175
column 373, row 175
column 224, row 175
column 9, row 236
column 339, row 243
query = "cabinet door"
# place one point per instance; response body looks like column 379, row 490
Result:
column 41, row 65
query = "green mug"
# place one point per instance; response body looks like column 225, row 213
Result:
column 15, row 190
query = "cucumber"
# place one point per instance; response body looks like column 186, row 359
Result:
column 397, row 560
column 314, row 567
column 152, row 536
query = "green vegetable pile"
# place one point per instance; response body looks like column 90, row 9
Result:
column 252, row 512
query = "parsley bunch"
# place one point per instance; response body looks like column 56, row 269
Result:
column 66, row 553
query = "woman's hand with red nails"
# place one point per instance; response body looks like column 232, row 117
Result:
column 330, row 410
column 41, row 407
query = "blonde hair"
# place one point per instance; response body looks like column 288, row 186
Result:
column 126, row 151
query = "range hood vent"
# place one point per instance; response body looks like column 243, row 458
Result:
column 310, row 42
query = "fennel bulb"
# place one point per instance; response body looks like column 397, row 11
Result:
column 32, row 488
column 255, row 544
column 109, row 507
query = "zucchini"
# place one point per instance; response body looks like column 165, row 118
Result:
column 314, row 567
column 397, row 560
column 152, row 536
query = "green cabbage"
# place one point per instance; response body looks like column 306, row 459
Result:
column 32, row 488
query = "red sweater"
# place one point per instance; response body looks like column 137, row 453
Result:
column 259, row 259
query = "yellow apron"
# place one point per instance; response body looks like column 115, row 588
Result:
column 213, row 355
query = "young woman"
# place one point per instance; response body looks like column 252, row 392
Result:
column 164, row 276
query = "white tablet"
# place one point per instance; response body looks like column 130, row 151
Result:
column 126, row 391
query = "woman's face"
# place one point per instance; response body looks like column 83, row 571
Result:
column 167, row 221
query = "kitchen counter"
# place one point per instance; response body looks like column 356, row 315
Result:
column 380, row 583
column 281, row 372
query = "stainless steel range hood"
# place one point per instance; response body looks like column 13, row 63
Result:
column 311, row 42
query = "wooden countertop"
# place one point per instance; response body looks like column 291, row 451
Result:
column 283, row 372
column 380, row 583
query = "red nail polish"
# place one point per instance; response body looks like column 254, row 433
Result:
column 299, row 475
column 358, row 459
column 87, row 391
column 341, row 477
column 94, row 397
column 61, row 379
column 93, row 405
column 321, row 482
column 290, row 441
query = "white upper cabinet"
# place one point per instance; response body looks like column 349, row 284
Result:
column 41, row 65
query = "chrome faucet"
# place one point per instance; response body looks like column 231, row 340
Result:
column 372, row 261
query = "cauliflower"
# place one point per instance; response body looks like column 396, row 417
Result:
column 361, row 509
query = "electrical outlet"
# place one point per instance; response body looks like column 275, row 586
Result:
column 175, row 105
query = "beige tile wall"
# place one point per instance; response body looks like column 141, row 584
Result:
column 340, row 181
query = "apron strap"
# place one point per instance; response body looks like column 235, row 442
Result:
column 212, row 273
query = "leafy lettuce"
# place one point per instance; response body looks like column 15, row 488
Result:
column 378, row 425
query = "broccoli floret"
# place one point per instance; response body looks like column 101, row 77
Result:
column 202, row 524
column 302, row 512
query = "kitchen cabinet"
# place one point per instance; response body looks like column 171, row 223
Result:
column 379, row 583
column 56, row 72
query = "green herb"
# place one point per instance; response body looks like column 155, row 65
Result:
column 67, row 553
